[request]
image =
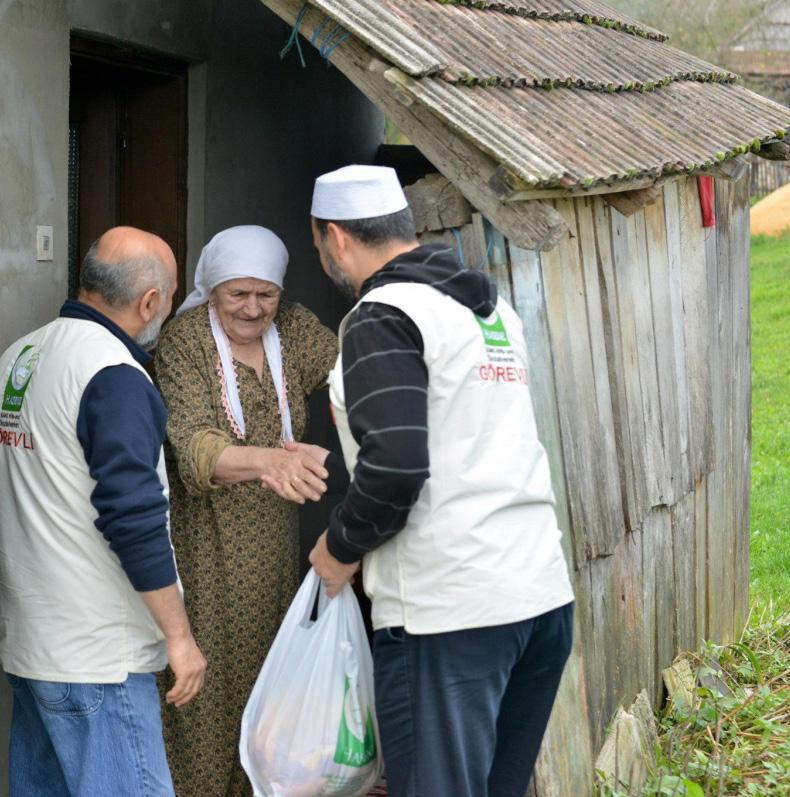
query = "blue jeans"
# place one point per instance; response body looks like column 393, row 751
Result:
column 87, row 740
column 463, row 714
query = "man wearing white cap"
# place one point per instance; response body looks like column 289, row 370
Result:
column 450, row 507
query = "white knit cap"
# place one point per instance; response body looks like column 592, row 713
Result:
column 358, row 192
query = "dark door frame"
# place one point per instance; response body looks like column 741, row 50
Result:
column 86, row 50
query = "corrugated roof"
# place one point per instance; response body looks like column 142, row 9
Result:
column 623, row 104
column 575, row 137
column 464, row 45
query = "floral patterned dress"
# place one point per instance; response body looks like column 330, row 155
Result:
column 237, row 546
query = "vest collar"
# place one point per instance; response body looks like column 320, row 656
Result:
column 74, row 309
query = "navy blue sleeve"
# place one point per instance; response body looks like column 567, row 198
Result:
column 121, row 426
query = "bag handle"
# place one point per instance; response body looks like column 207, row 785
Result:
column 318, row 600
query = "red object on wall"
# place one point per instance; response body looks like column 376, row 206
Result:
column 707, row 201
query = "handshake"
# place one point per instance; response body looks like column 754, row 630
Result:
column 295, row 472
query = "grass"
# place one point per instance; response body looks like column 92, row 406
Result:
column 734, row 741
column 770, row 505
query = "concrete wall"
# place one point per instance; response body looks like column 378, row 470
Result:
column 260, row 131
column 34, row 59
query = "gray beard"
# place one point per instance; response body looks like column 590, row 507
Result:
column 149, row 335
column 342, row 282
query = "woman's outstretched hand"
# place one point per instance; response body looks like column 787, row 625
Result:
column 296, row 472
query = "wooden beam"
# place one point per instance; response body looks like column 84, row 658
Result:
column 775, row 151
column 530, row 225
column 731, row 170
column 437, row 204
column 629, row 202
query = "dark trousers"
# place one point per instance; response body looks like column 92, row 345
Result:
column 463, row 714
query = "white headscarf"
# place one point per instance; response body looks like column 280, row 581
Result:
column 238, row 253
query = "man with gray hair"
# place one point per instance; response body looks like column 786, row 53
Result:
column 90, row 602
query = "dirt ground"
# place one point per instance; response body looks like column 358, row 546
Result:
column 771, row 215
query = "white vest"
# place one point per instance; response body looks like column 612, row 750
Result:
column 67, row 609
column 481, row 546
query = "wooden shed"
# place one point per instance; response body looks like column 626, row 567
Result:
column 576, row 134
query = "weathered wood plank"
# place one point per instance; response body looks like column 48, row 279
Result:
column 660, row 526
column 632, row 644
column 720, row 521
column 639, row 349
column 530, row 303
column 630, row 202
column 619, row 354
column 650, row 670
column 613, row 632
column 608, row 468
column 437, row 204
column 666, row 354
column 468, row 242
column 684, row 481
column 725, row 420
column 741, row 402
column 585, row 409
column 594, row 602
column 701, row 567
column 565, row 764
column 498, row 263
column 683, row 554
column 690, row 254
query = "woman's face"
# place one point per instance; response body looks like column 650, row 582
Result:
column 246, row 307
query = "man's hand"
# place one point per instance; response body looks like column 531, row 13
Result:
column 189, row 667
column 334, row 574
column 167, row 608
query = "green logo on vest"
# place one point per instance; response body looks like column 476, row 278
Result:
column 494, row 331
column 19, row 379
column 356, row 741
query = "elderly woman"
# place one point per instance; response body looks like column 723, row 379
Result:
column 235, row 369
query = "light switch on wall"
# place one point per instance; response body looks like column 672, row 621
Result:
column 43, row 243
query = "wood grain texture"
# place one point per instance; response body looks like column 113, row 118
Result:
column 575, row 322
column 683, row 478
column 565, row 764
column 697, row 314
column 437, row 204
column 742, row 405
column 684, row 562
column 670, row 370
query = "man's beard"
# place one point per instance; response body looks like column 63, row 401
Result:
column 149, row 335
column 342, row 282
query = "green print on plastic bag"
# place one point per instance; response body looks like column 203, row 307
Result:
column 356, row 745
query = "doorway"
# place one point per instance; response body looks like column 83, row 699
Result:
column 127, row 148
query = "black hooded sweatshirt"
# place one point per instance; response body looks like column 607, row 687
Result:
column 386, row 392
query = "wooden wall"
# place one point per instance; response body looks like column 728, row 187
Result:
column 639, row 346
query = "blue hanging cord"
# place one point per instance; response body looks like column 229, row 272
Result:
column 457, row 233
column 317, row 32
column 460, row 246
column 332, row 41
column 293, row 39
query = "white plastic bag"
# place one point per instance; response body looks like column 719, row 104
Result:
column 309, row 727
